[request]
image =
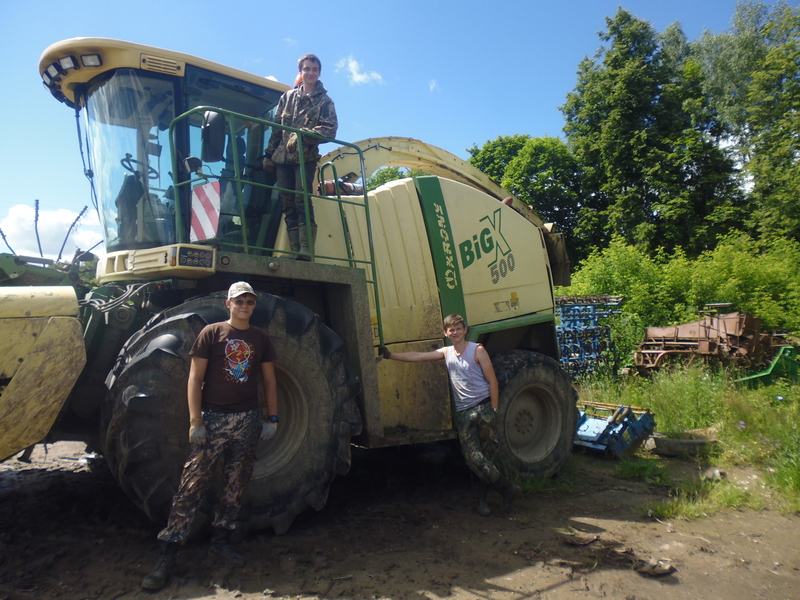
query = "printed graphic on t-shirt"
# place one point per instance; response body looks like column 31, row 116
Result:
column 238, row 360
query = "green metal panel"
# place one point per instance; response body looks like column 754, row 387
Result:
column 443, row 247
column 477, row 330
column 785, row 365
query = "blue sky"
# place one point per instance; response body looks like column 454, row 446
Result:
column 452, row 73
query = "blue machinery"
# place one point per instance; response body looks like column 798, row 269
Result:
column 586, row 345
column 584, row 341
column 611, row 429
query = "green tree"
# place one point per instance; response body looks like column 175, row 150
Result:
column 644, row 133
column 728, row 61
column 609, row 126
column 774, row 121
column 494, row 156
column 387, row 174
column 546, row 176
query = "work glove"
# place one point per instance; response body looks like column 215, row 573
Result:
column 268, row 431
column 384, row 352
column 197, row 432
column 268, row 165
column 291, row 143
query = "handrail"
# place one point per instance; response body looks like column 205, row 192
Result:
column 239, row 182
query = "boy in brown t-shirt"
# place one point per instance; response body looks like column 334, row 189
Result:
column 225, row 424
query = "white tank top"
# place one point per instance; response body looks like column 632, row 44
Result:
column 466, row 377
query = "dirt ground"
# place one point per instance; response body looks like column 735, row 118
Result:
column 402, row 524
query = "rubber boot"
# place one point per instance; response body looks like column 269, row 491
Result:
column 294, row 239
column 483, row 499
column 221, row 547
column 305, row 252
column 508, row 491
column 158, row 577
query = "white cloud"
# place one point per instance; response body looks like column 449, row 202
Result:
column 433, row 86
column 289, row 41
column 18, row 227
column 354, row 73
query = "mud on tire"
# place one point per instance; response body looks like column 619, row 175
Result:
column 536, row 416
column 144, row 426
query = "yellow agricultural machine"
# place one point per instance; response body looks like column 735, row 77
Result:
column 173, row 148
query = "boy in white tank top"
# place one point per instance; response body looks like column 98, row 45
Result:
column 476, row 395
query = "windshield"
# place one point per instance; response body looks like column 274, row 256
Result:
column 127, row 119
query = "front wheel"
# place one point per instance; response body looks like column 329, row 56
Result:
column 145, row 417
column 536, row 416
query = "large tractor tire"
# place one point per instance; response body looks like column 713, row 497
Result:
column 536, row 416
column 145, row 417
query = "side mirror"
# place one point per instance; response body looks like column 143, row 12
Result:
column 83, row 256
column 193, row 165
column 213, row 137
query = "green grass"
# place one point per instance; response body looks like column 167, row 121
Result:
column 650, row 470
column 756, row 427
column 694, row 499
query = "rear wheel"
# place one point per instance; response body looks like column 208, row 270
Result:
column 536, row 416
column 145, row 417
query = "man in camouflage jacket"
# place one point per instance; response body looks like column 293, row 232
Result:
column 307, row 107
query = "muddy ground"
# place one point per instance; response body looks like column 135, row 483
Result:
column 401, row 525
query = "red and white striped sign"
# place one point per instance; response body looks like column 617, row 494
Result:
column 205, row 211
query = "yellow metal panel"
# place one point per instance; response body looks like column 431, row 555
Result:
column 117, row 54
column 406, row 282
column 502, row 257
column 415, row 395
column 32, row 400
column 17, row 337
column 151, row 263
column 330, row 239
column 37, row 301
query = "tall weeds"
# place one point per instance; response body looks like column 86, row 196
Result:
column 757, row 427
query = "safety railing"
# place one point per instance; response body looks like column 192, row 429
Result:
column 236, row 177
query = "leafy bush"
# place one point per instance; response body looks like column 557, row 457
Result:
column 762, row 279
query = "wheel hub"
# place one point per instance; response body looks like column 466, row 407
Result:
column 532, row 424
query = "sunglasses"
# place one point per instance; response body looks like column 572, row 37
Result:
column 244, row 302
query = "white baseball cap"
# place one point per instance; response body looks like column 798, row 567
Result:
column 239, row 288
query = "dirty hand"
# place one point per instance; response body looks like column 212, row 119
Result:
column 268, row 431
column 197, row 432
column 291, row 143
column 489, row 416
column 268, row 165
column 384, row 352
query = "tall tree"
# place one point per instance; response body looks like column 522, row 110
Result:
column 609, row 124
column 494, row 156
column 728, row 61
column 640, row 127
column 545, row 175
column 774, row 118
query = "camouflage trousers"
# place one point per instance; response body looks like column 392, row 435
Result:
column 293, row 206
column 232, row 438
column 474, row 425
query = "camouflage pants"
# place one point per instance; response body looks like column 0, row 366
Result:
column 470, row 423
column 233, row 438
column 293, row 206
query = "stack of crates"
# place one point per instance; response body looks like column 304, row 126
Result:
column 585, row 343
